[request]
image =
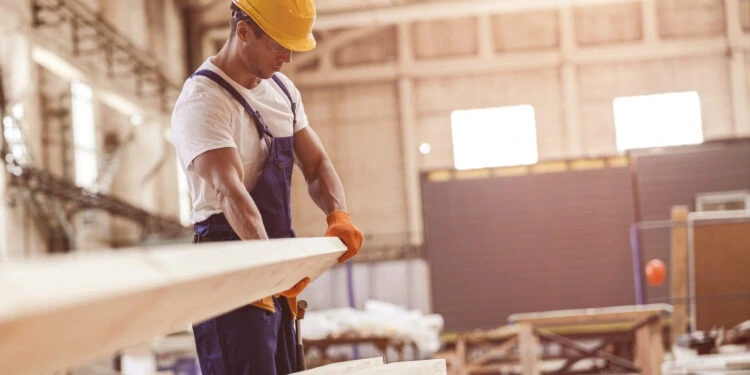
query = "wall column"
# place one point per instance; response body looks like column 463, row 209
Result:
column 569, row 83
column 408, row 119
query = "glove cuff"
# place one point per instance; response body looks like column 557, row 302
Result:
column 338, row 217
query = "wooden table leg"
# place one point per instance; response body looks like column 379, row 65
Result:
column 649, row 348
column 528, row 348
column 400, row 350
column 460, row 363
column 657, row 343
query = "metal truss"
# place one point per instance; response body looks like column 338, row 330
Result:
column 74, row 198
column 92, row 35
column 51, row 200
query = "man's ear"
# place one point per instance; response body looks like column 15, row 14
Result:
column 242, row 32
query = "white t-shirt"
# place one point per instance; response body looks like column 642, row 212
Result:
column 207, row 117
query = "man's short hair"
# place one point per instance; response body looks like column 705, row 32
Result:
column 240, row 15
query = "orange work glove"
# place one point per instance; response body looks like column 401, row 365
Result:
column 296, row 289
column 340, row 225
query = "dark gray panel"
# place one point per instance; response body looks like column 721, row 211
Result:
column 527, row 243
column 675, row 175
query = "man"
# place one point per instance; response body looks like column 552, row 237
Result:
column 237, row 134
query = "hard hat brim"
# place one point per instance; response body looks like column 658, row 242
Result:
column 300, row 45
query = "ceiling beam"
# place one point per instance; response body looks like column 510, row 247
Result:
column 327, row 48
column 324, row 6
column 515, row 61
column 198, row 4
column 442, row 10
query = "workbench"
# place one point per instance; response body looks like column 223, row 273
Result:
column 628, row 339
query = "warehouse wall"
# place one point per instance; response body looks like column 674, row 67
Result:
column 147, row 176
column 359, row 128
column 365, row 94
column 612, row 55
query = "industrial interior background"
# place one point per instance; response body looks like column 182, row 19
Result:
column 88, row 88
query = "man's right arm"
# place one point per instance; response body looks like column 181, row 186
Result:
column 221, row 168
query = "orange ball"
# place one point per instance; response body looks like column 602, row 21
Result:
column 655, row 272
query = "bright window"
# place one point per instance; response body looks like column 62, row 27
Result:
column 658, row 120
column 84, row 134
column 494, row 137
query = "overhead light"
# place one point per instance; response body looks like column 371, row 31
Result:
column 425, row 148
column 136, row 120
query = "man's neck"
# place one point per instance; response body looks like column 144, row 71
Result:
column 229, row 63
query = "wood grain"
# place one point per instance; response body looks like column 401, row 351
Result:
column 65, row 311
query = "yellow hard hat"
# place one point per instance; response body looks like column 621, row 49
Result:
column 288, row 22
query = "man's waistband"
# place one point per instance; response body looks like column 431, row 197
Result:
column 216, row 227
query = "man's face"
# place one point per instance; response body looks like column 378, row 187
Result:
column 262, row 54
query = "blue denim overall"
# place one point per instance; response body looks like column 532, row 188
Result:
column 250, row 340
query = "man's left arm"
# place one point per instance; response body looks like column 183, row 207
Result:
column 326, row 189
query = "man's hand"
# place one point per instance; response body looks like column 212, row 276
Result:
column 296, row 289
column 340, row 225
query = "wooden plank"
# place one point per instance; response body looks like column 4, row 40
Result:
column 425, row 367
column 596, row 329
column 679, row 271
column 595, row 315
column 498, row 333
column 344, row 367
column 505, row 332
column 66, row 311
column 528, row 349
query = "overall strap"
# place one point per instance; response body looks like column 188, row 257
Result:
column 288, row 95
column 259, row 123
